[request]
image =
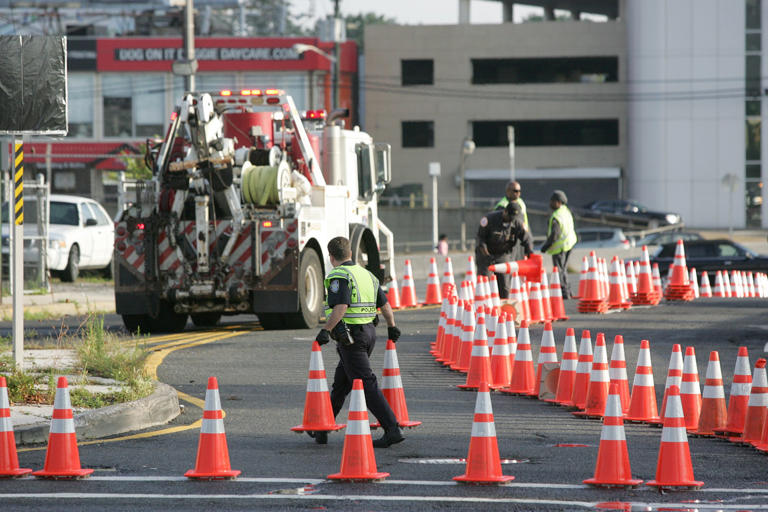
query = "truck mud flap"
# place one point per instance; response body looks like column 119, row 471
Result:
column 136, row 304
column 277, row 290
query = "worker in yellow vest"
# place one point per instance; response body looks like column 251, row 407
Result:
column 513, row 193
column 561, row 237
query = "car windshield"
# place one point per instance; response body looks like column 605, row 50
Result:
column 61, row 213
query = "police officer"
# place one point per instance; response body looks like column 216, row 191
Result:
column 513, row 193
column 497, row 235
column 353, row 296
column 561, row 237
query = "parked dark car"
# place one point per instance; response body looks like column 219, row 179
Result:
column 629, row 212
column 668, row 237
column 709, row 255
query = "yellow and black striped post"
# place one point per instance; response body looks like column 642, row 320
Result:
column 18, row 184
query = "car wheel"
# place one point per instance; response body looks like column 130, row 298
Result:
column 205, row 319
column 72, row 270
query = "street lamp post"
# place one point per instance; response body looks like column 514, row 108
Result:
column 467, row 148
column 301, row 48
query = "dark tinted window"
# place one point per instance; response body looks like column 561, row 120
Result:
column 588, row 236
column 418, row 134
column 64, row 213
column 727, row 251
column 417, row 72
column 576, row 132
column 545, row 70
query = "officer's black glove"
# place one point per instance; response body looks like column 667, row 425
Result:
column 393, row 333
column 323, row 337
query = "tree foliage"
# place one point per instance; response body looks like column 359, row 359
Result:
column 356, row 24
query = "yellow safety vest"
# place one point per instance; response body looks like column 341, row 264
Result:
column 503, row 202
column 363, row 287
column 567, row 233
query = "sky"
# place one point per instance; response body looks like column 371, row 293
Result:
column 427, row 12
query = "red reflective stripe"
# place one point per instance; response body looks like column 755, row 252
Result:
column 612, row 421
column 674, row 422
column 62, row 414
column 213, row 415
column 358, row 415
column 483, row 418
column 618, row 364
column 645, row 370
column 5, row 413
column 316, row 374
column 391, row 372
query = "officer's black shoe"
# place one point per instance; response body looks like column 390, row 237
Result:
column 320, row 436
column 390, row 437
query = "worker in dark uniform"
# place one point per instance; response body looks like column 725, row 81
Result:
column 497, row 235
column 353, row 294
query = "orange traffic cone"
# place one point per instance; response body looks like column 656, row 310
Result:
column 483, row 462
column 408, row 295
column 392, row 388
column 501, row 367
column 674, row 468
column 727, row 290
column 599, row 382
column 679, row 286
column 440, row 327
column 758, row 397
column 583, row 278
column 467, row 324
column 719, row 286
column 547, row 354
column 656, row 280
column 523, row 376
column 583, row 369
column 433, row 285
column 529, row 268
column 762, row 445
column 393, row 295
column 511, row 342
column 358, row 463
column 705, row 290
column 674, row 374
column 556, row 297
column 618, row 371
column 467, row 341
column 646, row 294
column 694, row 283
column 480, row 361
column 567, row 369
column 62, row 459
column 453, row 333
column 447, row 276
column 537, row 310
column 713, row 411
column 212, row 461
column 471, row 274
column 546, row 303
column 9, row 460
column 444, row 343
column 616, row 298
column 739, row 397
column 612, row 468
column 690, row 390
column 642, row 404
column 593, row 300
column 318, row 413
column 493, row 282
column 629, row 271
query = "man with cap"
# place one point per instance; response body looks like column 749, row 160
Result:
column 513, row 194
column 497, row 235
column 561, row 237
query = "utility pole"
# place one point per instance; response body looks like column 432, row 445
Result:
column 189, row 44
column 434, row 171
column 336, row 53
column 511, row 139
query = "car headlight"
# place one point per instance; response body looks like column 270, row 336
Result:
column 671, row 218
column 57, row 244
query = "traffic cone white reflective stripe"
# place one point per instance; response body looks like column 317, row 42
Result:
column 483, row 462
column 583, row 369
column 501, row 367
column 618, row 371
column 471, row 274
column 756, row 407
column 567, row 370
column 545, row 299
column 494, row 284
column 358, row 461
column 674, row 468
column 694, row 283
column 547, row 354
column 713, row 409
column 674, row 374
column 705, row 290
column 9, row 460
column 448, row 278
column 741, row 386
column 642, row 404
column 612, row 468
column 599, row 381
column 690, row 390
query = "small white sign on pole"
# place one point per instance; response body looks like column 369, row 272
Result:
column 434, row 171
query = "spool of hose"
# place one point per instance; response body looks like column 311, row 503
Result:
column 245, row 175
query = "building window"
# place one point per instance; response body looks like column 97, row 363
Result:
column 545, row 70
column 417, row 72
column 753, row 14
column 80, row 104
column 572, row 132
column 134, row 105
column 753, row 75
column 418, row 134
column 753, row 138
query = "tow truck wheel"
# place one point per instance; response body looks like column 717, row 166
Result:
column 205, row 319
column 137, row 323
column 167, row 319
column 311, row 293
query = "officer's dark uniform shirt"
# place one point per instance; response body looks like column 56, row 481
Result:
column 499, row 238
column 339, row 292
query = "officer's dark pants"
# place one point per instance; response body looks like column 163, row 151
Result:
column 561, row 262
column 354, row 364
column 504, row 280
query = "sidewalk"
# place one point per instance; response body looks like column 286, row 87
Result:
column 66, row 299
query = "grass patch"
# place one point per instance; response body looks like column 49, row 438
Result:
column 33, row 316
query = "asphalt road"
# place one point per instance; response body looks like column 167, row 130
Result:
column 262, row 378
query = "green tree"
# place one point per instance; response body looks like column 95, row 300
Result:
column 356, row 24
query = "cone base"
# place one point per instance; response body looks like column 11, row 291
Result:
column 629, row 483
column 692, row 484
column 368, row 477
column 655, row 420
column 64, row 474
column 468, row 387
column 491, row 480
column 402, row 424
column 14, row 473
column 218, row 475
column 321, row 428
column 588, row 415
column 521, row 392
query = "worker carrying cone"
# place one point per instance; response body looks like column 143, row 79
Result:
column 212, row 461
column 9, row 460
column 358, row 463
column 612, row 468
column 62, row 459
column 483, row 462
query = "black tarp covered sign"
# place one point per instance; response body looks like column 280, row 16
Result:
column 33, row 85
